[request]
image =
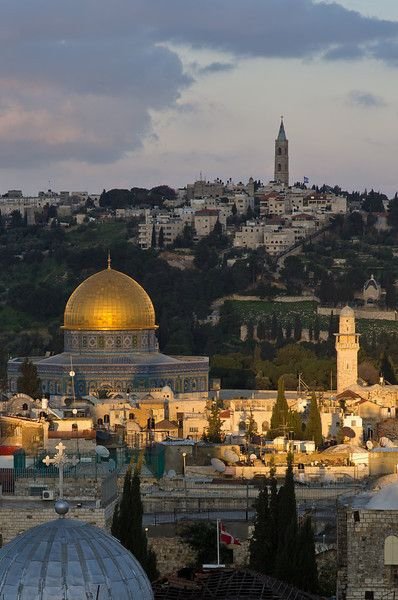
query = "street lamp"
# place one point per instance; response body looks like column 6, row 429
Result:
column 76, row 427
column 72, row 376
column 184, row 456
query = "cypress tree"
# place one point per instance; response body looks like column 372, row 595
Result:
column 217, row 229
column 213, row 433
column 288, row 330
column 260, row 548
column 314, row 424
column 161, row 238
column 28, row 382
column 287, row 527
column 137, row 542
column 267, row 325
column 273, row 514
column 251, row 427
column 279, row 335
column 386, row 369
column 127, row 523
column 280, row 410
column 295, row 425
column 257, row 354
column 391, row 296
column 153, row 238
column 333, row 326
column 317, row 329
column 285, row 562
column 274, row 326
column 306, row 568
column 115, row 529
column 298, row 328
column 261, row 331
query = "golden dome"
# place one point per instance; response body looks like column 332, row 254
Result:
column 109, row 300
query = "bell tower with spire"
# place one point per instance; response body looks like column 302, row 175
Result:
column 282, row 156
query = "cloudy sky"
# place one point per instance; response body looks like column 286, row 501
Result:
column 97, row 94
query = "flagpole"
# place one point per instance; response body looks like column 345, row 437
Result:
column 218, row 542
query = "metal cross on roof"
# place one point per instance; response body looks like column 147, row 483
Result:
column 59, row 460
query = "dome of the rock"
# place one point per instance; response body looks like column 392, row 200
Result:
column 109, row 301
column 110, row 344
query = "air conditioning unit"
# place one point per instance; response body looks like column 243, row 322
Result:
column 47, row 495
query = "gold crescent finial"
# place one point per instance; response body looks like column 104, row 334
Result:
column 109, row 259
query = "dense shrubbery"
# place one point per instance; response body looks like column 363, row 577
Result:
column 40, row 267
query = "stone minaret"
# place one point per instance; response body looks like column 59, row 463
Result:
column 347, row 346
column 282, row 156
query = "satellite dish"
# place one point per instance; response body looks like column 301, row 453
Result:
column 369, row 445
column 171, row 474
column 253, row 457
column 218, row 465
column 102, row 451
column 348, row 432
column 231, row 456
column 385, row 442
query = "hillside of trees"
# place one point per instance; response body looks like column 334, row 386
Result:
column 42, row 264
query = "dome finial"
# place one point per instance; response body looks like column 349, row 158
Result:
column 61, row 507
column 109, row 259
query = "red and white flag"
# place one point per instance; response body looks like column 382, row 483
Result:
column 227, row 538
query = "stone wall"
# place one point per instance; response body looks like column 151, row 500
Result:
column 17, row 516
column 172, row 553
column 361, row 569
column 379, row 315
column 82, row 488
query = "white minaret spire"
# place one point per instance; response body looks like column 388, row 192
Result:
column 347, row 346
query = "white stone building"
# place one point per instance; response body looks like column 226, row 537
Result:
column 171, row 224
column 205, row 221
column 250, row 235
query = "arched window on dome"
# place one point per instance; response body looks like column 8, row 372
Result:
column 106, row 418
column 100, row 422
column 24, row 406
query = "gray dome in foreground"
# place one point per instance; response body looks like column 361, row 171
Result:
column 67, row 559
